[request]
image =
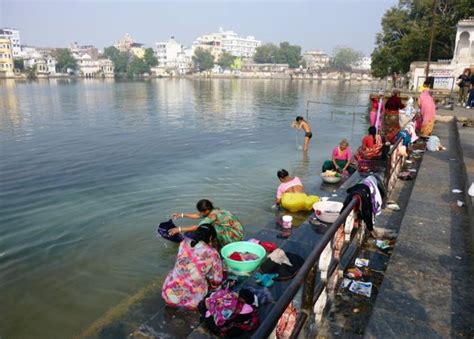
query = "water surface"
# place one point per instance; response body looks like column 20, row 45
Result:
column 89, row 168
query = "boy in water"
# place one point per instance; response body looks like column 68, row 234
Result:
column 304, row 125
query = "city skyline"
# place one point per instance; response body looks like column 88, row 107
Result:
column 311, row 25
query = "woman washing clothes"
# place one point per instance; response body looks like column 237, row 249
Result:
column 287, row 185
column 290, row 193
column 341, row 159
column 227, row 226
column 198, row 267
column 371, row 146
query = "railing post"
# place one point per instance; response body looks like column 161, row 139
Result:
column 308, row 289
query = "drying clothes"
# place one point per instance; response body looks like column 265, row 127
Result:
column 375, row 196
column 362, row 193
column 243, row 256
column 265, row 279
column 278, row 256
column 230, row 314
column 286, row 323
column 405, row 136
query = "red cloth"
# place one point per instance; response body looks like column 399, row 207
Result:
column 268, row 246
column 236, row 256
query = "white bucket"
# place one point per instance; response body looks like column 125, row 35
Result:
column 287, row 219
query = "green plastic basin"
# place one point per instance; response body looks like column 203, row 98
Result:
column 243, row 246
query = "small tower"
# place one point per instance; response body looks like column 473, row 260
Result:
column 464, row 50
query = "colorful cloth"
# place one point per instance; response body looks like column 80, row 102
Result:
column 391, row 125
column 375, row 196
column 284, row 186
column 243, row 256
column 187, row 284
column 369, row 149
column 428, row 113
column 228, row 227
column 221, row 305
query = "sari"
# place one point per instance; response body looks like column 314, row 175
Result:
column 369, row 152
column 428, row 112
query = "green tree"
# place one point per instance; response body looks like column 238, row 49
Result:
column 343, row 58
column 31, row 73
column 288, row 54
column 283, row 54
column 226, row 60
column 137, row 67
column 19, row 64
column 120, row 59
column 203, row 59
column 64, row 60
column 406, row 32
column 265, row 54
column 150, row 58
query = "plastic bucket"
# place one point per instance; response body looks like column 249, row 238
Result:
column 287, row 220
column 243, row 246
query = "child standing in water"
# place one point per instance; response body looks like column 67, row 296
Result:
column 304, row 125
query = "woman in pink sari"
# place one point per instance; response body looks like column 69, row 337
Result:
column 428, row 112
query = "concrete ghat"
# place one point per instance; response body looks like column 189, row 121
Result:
column 427, row 289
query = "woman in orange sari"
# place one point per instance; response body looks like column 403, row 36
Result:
column 371, row 146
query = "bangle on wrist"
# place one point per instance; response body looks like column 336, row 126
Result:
column 182, row 215
column 179, row 229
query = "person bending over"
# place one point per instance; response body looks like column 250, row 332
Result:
column 304, row 125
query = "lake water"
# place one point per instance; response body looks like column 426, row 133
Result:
column 89, row 168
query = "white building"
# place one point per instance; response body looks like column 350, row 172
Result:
column 45, row 63
column 14, row 36
column 316, row 60
column 90, row 68
column 174, row 57
column 227, row 41
column 364, row 64
column 167, row 53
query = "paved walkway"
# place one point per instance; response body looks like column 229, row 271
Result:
column 427, row 289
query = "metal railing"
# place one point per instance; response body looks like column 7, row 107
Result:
column 323, row 258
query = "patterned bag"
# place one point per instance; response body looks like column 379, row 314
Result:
column 286, row 323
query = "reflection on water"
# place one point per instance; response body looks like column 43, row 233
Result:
column 89, row 168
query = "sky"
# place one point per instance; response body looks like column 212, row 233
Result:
column 314, row 25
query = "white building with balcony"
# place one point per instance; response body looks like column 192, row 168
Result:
column 174, row 57
column 14, row 36
column 227, row 41
column 363, row 65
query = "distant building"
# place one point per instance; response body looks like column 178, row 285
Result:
column 90, row 68
column 248, row 65
column 227, row 41
column 316, row 60
column 364, row 64
column 127, row 44
column 173, row 57
column 14, row 36
column 45, row 63
column 92, row 51
column 6, row 58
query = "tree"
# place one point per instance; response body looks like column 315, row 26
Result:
column 137, row 67
column 343, row 58
column 283, row 54
column 31, row 73
column 120, row 59
column 265, row 54
column 226, row 60
column 150, row 58
column 64, row 60
column 288, row 54
column 19, row 64
column 203, row 59
column 406, row 32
